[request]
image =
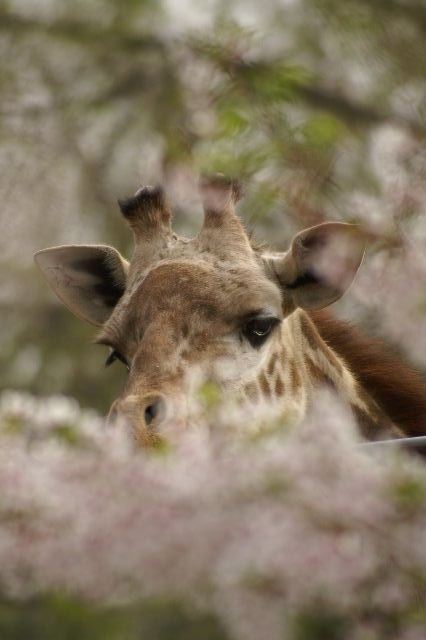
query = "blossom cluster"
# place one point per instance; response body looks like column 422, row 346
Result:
column 266, row 533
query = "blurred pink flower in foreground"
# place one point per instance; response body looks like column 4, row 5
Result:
column 256, row 530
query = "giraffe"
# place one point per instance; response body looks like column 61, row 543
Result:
column 249, row 319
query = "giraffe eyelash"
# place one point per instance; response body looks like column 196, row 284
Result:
column 116, row 355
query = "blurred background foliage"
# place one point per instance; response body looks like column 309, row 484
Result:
column 306, row 100
column 66, row 618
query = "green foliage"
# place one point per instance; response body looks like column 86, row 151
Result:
column 323, row 131
column 63, row 618
column 409, row 494
column 210, row 396
column 320, row 625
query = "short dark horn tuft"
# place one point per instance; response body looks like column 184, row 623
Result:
column 146, row 199
column 147, row 210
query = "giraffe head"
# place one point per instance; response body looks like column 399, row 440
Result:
column 212, row 304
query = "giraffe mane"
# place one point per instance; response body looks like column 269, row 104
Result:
column 396, row 387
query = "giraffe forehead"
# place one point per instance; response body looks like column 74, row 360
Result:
column 220, row 289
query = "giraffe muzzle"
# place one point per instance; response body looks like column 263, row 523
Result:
column 142, row 416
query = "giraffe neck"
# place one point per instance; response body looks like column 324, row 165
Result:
column 300, row 363
column 325, row 367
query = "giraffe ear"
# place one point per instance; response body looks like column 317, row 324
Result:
column 88, row 279
column 321, row 264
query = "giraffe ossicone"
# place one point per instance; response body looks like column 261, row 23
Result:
column 212, row 304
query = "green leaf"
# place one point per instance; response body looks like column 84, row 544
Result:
column 323, row 130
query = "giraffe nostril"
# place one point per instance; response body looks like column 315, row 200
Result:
column 154, row 411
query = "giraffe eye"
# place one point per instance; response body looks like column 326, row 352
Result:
column 116, row 355
column 258, row 329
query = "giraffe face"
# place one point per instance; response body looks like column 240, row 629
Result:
column 191, row 321
column 186, row 311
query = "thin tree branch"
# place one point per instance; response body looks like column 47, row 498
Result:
column 354, row 112
column 79, row 31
